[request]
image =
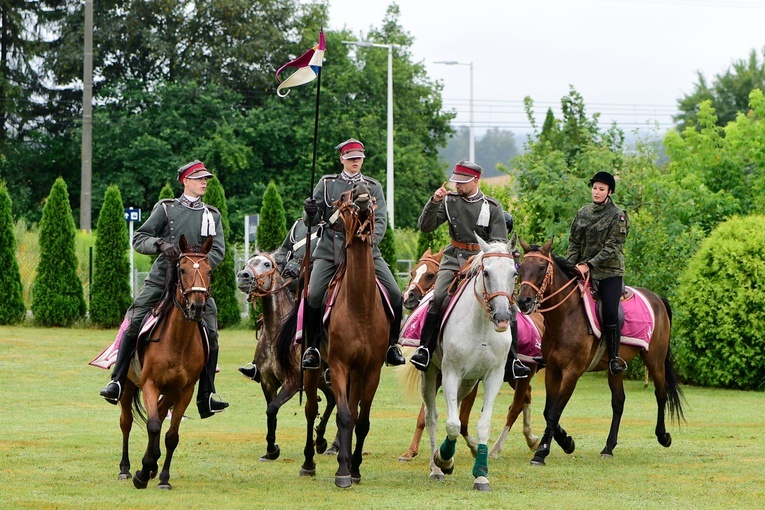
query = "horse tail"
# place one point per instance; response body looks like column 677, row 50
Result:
column 284, row 339
column 675, row 394
column 138, row 408
column 410, row 377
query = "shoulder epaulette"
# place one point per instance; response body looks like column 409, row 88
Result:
column 492, row 200
column 371, row 180
column 212, row 208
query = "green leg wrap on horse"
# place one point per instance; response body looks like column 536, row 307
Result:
column 481, row 464
column 447, row 448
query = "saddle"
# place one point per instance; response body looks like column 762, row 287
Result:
column 635, row 316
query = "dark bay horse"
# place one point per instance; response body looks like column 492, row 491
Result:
column 548, row 285
column 422, row 278
column 357, row 340
column 260, row 279
column 170, row 366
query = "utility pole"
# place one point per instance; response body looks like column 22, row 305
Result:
column 87, row 122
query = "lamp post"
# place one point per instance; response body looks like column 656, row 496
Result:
column 389, row 199
column 472, row 124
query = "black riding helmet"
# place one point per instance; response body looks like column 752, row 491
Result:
column 508, row 222
column 605, row 178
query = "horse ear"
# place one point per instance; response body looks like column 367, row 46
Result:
column 512, row 243
column 483, row 244
column 208, row 245
column 526, row 247
column 183, row 244
column 548, row 246
column 440, row 253
column 427, row 253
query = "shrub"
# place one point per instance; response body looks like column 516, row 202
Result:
column 12, row 307
column 110, row 293
column 272, row 227
column 388, row 246
column 721, row 308
column 57, row 297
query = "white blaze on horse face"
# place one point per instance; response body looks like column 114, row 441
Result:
column 419, row 272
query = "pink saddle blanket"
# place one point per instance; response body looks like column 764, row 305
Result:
column 529, row 338
column 639, row 320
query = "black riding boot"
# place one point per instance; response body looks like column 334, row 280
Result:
column 394, row 357
column 206, row 405
column 250, row 371
column 112, row 392
column 428, row 339
column 312, row 332
column 613, row 338
column 514, row 368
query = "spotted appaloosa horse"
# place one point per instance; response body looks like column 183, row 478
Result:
column 549, row 286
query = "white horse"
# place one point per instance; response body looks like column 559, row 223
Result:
column 475, row 345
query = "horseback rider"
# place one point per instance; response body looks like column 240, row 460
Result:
column 596, row 246
column 469, row 213
column 186, row 215
column 288, row 258
column 329, row 249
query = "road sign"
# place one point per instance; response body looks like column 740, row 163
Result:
column 132, row 214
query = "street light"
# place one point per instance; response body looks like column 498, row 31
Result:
column 389, row 171
column 472, row 124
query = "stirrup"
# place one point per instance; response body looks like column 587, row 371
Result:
column 305, row 355
column 400, row 360
column 421, row 366
column 112, row 400
column 327, row 376
column 617, row 360
column 250, row 371
column 525, row 371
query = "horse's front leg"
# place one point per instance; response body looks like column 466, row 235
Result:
column 275, row 402
column 492, row 382
column 429, row 390
column 616, row 384
column 344, row 421
column 172, row 437
column 364, row 395
column 444, row 456
column 149, row 464
column 559, row 391
column 465, row 407
column 310, row 383
column 126, row 425
column 321, row 429
column 414, row 448
column 521, row 395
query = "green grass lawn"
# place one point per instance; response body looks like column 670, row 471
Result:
column 60, row 445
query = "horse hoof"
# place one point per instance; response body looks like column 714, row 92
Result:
column 271, row 455
column 439, row 477
column 307, row 472
column 356, row 479
column 537, row 461
column 535, row 445
column 321, row 446
column 164, row 486
column 138, row 483
column 667, row 442
column 570, row 447
column 125, row 476
column 343, row 481
column 332, row 450
column 407, row 456
column 606, row 455
column 447, row 466
column 481, row 484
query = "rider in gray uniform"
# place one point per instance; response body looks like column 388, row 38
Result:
column 330, row 248
column 186, row 215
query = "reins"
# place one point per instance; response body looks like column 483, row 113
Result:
column 485, row 297
column 547, row 280
column 197, row 275
column 261, row 279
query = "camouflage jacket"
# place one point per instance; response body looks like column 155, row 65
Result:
column 462, row 216
column 597, row 238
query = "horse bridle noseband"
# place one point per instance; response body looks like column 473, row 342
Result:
column 417, row 284
column 260, row 279
column 186, row 307
column 546, row 281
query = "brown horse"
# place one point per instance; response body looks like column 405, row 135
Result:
column 422, row 279
column 569, row 349
column 357, row 340
column 260, row 279
column 170, row 366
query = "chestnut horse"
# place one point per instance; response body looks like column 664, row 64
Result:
column 422, row 279
column 569, row 349
column 260, row 279
column 170, row 366
column 357, row 340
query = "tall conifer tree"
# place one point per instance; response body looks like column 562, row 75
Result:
column 12, row 308
column 272, row 226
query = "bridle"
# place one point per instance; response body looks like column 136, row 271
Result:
column 424, row 260
column 365, row 229
column 547, row 281
column 485, row 297
column 257, row 289
column 182, row 300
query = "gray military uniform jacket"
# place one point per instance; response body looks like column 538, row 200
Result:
column 462, row 216
column 597, row 238
column 170, row 219
column 290, row 254
column 329, row 189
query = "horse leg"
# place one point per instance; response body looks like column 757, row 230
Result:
column 465, row 407
column 444, row 456
column 172, row 437
column 414, row 448
column 658, row 374
column 616, row 383
column 275, row 403
column 520, row 397
column 344, row 427
column 310, row 383
column 492, row 382
column 559, row 391
column 429, row 389
column 365, row 395
column 126, row 425
column 321, row 429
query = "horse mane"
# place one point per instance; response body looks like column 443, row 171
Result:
column 167, row 300
column 563, row 263
column 477, row 259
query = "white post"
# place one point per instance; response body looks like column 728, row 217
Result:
column 472, row 124
column 389, row 171
column 132, row 266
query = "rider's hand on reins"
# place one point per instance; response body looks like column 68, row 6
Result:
column 583, row 269
column 169, row 250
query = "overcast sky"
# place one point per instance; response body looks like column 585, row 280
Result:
column 630, row 59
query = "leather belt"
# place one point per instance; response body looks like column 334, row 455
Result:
column 466, row 246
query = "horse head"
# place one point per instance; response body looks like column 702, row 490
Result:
column 355, row 208
column 535, row 272
column 193, row 279
column 422, row 278
column 259, row 276
column 494, row 268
